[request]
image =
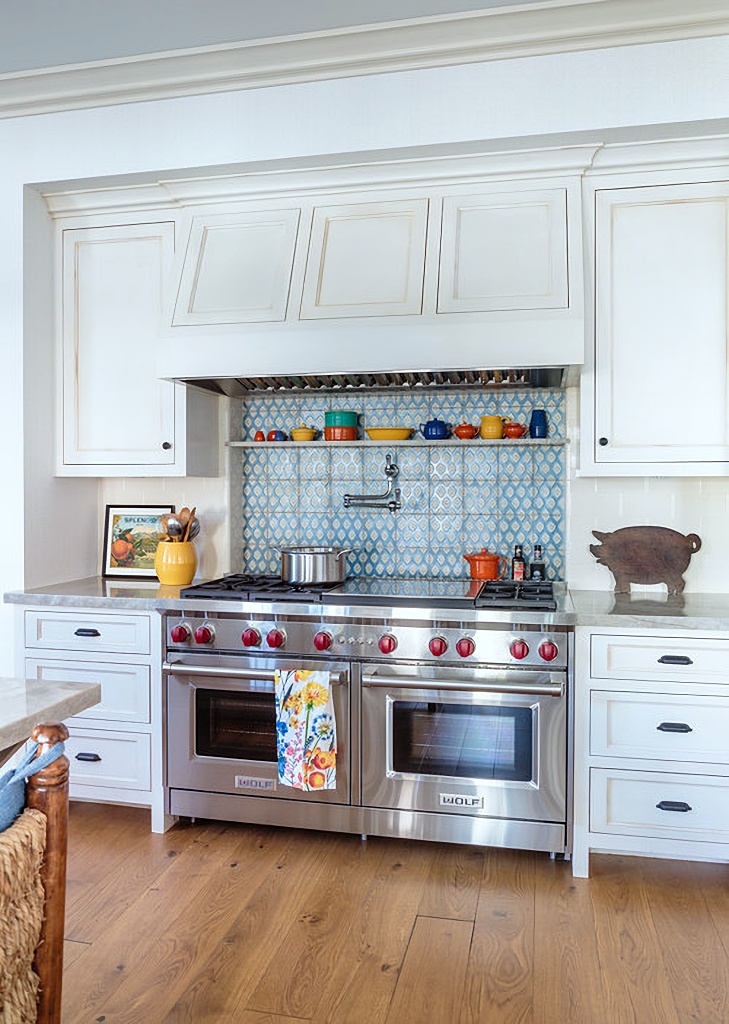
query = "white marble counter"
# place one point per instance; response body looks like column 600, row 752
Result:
column 25, row 703
column 577, row 607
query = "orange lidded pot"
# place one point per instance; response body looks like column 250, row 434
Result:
column 486, row 566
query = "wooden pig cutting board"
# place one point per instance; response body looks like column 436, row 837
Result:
column 646, row 555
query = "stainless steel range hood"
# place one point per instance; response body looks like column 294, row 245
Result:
column 407, row 380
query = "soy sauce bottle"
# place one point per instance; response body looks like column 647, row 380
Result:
column 518, row 564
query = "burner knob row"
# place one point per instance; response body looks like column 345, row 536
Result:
column 252, row 638
column 547, row 650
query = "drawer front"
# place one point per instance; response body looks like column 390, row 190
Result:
column 626, row 803
column 87, row 631
column 659, row 726
column 117, row 760
column 673, row 659
column 124, row 688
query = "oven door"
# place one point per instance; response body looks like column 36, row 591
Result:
column 221, row 727
column 490, row 743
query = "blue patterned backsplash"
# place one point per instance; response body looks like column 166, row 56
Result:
column 456, row 498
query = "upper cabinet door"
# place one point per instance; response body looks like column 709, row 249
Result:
column 662, row 273
column 504, row 251
column 366, row 259
column 237, row 268
column 116, row 411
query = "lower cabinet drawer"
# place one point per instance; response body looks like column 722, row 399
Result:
column 659, row 726
column 88, row 631
column 660, row 805
column 117, row 760
column 124, row 688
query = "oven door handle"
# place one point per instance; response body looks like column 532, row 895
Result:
column 539, row 689
column 170, row 668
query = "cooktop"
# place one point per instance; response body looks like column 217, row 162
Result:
column 451, row 592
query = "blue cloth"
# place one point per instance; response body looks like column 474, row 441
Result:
column 12, row 783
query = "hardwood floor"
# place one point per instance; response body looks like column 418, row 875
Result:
column 217, row 922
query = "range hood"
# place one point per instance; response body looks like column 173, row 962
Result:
column 406, row 380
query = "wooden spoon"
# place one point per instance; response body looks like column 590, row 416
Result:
column 190, row 520
column 184, row 515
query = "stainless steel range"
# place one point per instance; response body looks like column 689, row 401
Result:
column 451, row 701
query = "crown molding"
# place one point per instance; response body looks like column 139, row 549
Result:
column 530, row 29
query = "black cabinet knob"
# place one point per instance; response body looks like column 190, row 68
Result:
column 86, row 632
column 166, row 445
column 674, row 727
column 82, row 756
column 602, row 442
column 674, row 659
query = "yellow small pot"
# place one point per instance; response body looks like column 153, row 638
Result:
column 175, row 563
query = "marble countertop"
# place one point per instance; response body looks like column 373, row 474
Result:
column 638, row 610
column 25, row 703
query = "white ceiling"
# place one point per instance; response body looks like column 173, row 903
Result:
column 37, row 34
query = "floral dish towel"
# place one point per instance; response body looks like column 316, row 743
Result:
column 306, row 733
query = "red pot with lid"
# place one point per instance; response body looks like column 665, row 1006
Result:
column 485, row 565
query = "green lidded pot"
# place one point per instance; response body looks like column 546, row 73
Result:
column 340, row 418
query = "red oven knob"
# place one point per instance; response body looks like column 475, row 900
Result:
column 438, row 646
column 548, row 650
column 178, row 634
column 465, row 647
column 204, row 635
column 251, row 637
column 275, row 638
column 387, row 643
column 519, row 649
column 323, row 641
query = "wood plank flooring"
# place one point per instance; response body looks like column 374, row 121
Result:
column 217, row 922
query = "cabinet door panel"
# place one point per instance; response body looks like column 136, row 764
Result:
column 504, row 251
column 626, row 803
column 661, row 327
column 366, row 259
column 237, row 268
column 659, row 726
column 125, row 695
column 117, row 760
column 115, row 409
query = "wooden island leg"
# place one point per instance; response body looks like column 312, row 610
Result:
column 47, row 791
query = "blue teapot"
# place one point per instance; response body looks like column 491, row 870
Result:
column 435, row 430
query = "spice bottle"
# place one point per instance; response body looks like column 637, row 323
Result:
column 518, row 564
column 537, row 568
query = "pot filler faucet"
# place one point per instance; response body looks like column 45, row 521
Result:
column 389, row 500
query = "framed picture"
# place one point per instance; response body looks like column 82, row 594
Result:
column 131, row 536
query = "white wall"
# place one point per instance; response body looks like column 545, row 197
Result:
column 630, row 85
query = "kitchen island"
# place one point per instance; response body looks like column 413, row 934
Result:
column 27, row 703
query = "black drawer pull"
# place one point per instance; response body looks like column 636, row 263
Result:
column 674, row 727
column 86, row 632
column 674, row 659
column 81, row 756
column 674, row 805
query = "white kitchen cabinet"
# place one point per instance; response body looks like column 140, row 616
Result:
column 366, row 259
column 116, row 416
column 657, row 397
column 504, row 251
column 651, row 770
column 114, row 748
column 237, row 267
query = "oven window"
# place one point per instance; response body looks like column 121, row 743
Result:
column 462, row 741
column 237, row 725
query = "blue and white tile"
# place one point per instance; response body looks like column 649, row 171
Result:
column 446, row 530
column 446, row 463
column 478, row 532
column 515, row 462
column 283, row 495
column 446, row 497
column 446, row 562
column 481, row 462
column 315, row 528
column 283, row 463
column 414, row 463
column 283, row 528
column 315, row 495
column 480, row 498
column 414, row 495
column 413, row 562
column 315, row 464
column 347, row 464
column 412, row 530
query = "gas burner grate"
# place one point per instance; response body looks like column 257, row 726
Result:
column 516, row 594
column 251, row 587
